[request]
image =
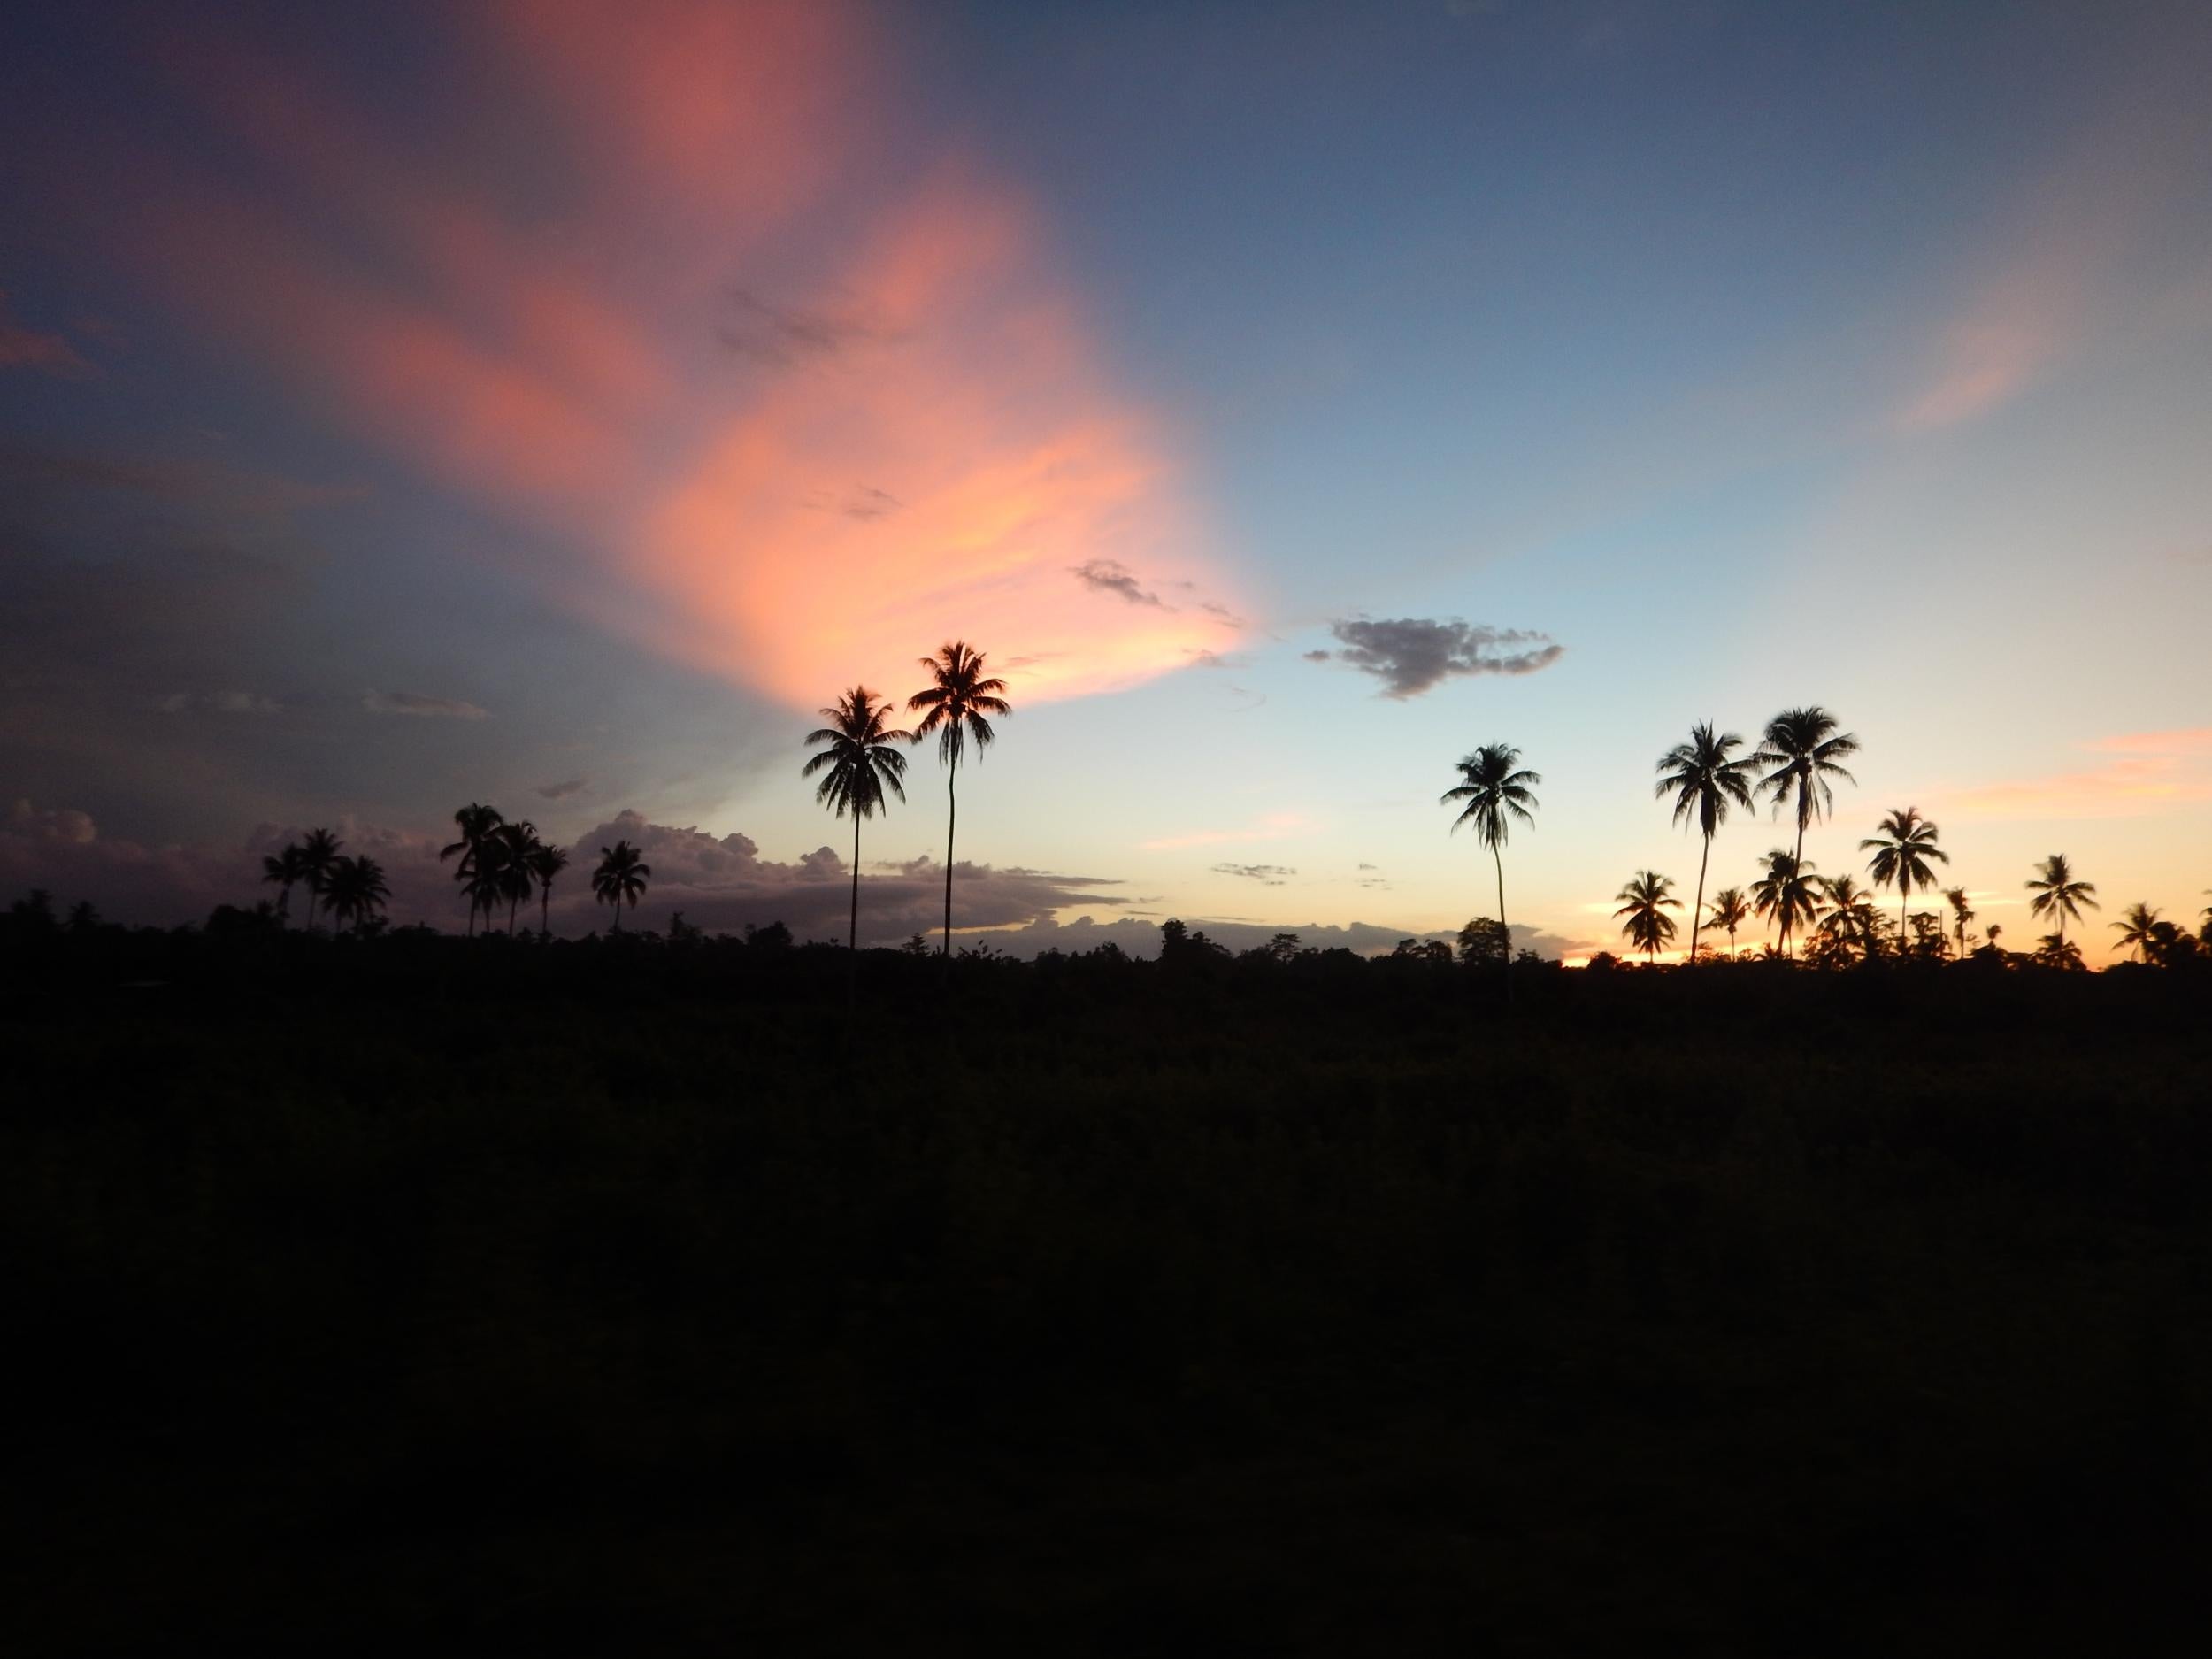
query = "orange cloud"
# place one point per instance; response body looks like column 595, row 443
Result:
column 2154, row 772
column 928, row 448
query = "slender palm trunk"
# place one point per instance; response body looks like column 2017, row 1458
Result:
column 514, row 902
column 1802, row 799
column 1699, row 911
column 545, row 911
column 1904, row 898
column 2061, row 927
column 952, row 817
column 1507, row 956
column 853, row 933
column 617, row 915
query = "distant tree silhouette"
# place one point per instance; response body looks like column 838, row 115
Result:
column 620, row 877
column 1805, row 750
column 2137, row 929
column 956, row 704
column 859, row 764
column 1996, row 929
column 1962, row 913
column 1789, row 894
column 1902, row 844
column 1705, row 781
column 1484, row 939
column 546, row 864
column 1497, row 789
column 478, row 824
column 514, row 844
column 2058, row 895
column 318, row 854
column 356, row 889
column 1645, row 901
column 1728, row 911
column 2056, row 950
column 284, row 870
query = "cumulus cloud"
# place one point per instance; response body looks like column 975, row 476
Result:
column 1411, row 655
column 413, row 703
column 1266, row 875
column 1109, row 577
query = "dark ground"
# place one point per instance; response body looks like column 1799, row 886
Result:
column 416, row 1294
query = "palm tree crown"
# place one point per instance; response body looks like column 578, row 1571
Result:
column 1902, row 847
column 1728, row 911
column 2137, row 928
column 285, row 870
column 318, row 854
column 1805, row 750
column 620, row 877
column 1645, row 901
column 1962, row 913
column 1789, row 892
column 956, row 705
column 859, row 761
column 356, row 889
column 1705, row 778
column 546, row 863
column 2058, row 895
column 480, row 886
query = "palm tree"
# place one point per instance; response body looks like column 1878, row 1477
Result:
column 1704, row 780
column 1805, row 750
column 1901, row 847
column 620, row 877
column 514, row 842
column 1645, row 901
column 1961, row 914
column 1996, row 929
column 2135, row 928
column 958, row 700
column 2056, row 950
column 2058, row 895
column 356, row 889
column 861, row 763
column 476, row 823
column 284, row 869
column 1497, row 789
column 545, row 864
column 318, row 854
column 1851, row 919
column 1729, row 912
column 1789, row 892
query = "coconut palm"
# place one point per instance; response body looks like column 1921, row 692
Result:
column 2058, row 895
column 2137, row 928
column 1645, row 901
column 957, row 702
column 1497, row 789
column 2056, row 950
column 1805, row 750
column 318, row 853
column 1902, row 845
column 546, row 863
column 1961, row 914
column 620, row 877
column 1728, row 911
column 1852, row 919
column 859, row 763
column 512, row 844
column 1789, row 892
column 356, row 889
column 1704, row 780
column 477, row 823
column 284, row 870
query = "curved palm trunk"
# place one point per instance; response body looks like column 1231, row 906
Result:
column 952, row 817
column 1803, row 798
column 1502, row 928
column 1698, row 911
column 852, row 933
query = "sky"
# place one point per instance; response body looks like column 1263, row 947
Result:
column 556, row 404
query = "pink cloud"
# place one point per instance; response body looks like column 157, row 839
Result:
column 23, row 347
column 2152, row 771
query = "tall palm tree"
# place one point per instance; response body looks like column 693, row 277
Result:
column 1851, row 919
column 318, row 853
column 515, row 842
column 2058, row 895
column 1728, row 911
column 620, row 877
column 1805, row 750
column 1789, row 892
column 861, row 762
column 958, row 700
column 1645, row 901
column 2136, row 927
column 1497, row 789
column 1902, row 845
column 1704, row 780
column 356, row 889
column 546, row 863
column 284, row 870
column 1962, row 913
column 477, row 823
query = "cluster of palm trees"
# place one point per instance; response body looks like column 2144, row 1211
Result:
column 502, row 860
column 349, row 889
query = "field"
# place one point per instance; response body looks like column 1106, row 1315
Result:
column 417, row 1291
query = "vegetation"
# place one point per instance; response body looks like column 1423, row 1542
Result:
column 956, row 706
column 858, row 763
column 1706, row 777
column 1496, row 789
column 1643, row 915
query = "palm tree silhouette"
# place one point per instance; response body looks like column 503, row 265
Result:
column 1851, row 919
column 1961, row 914
column 318, row 853
column 2135, row 928
column 284, row 869
column 861, row 763
column 1996, row 928
column 514, row 843
column 1902, row 846
column 1805, row 750
column 477, row 822
column 620, row 877
column 1790, row 893
column 2058, row 895
column 1645, row 901
column 1704, row 780
column 1728, row 911
column 2056, row 950
column 546, row 863
column 957, row 701
column 1497, row 789
column 356, row 889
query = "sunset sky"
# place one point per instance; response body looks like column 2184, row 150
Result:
column 553, row 404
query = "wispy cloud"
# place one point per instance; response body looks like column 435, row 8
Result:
column 2145, row 774
column 414, row 703
column 562, row 790
column 1266, row 875
column 1272, row 826
column 1411, row 655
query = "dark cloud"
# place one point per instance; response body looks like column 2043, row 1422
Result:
column 219, row 702
column 1411, row 655
column 23, row 347
column 564, row 789
column 1266, row 875
column 417, row 705
column 777, row 336
column 1109, row 577
column 867, row 502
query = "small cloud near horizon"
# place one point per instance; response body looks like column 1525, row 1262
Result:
column 418, row 706
column 1266, row 875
